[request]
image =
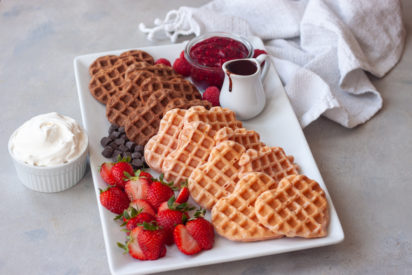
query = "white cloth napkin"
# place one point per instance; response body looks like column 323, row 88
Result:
column 320, row 48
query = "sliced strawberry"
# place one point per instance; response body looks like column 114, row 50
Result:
column 168, row 219
column 133, row 245
column 139, row 219
column 202, row 231
column 121, row 171
column 183, row 195
column 106, row 174
column 114, row 199
column 184, row 241
column 144, row 206
column 137, row 187
column 158, row 193
column 151, row 240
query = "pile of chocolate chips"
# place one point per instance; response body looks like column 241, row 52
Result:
column 116, row 144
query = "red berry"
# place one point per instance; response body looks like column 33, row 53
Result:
column 168, row 219
column 182, row 67
column 143, row 206
column 163, row 61
column 158, row 193
column 120, row 172
column 258, row 52
column 133, row 246
column 137, row 187
column 202, row 231
column 106, row 174
column 139, row 219
column 183, row 195
column 184, row 241
column 114, row 199
column 212, row 95
column 146, row 175
column 151, row 241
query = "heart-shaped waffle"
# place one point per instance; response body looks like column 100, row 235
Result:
column 183, row 86
column 218, row 176
column 138, row 55
column 119, row 107
column 165, row 141
column 182, row 103
column 144, row 122
column 296, row 208
column 102, row 63
column 195, row 142
column 248, row 138
column 270, row 160
column 234, row 216
column 160, row 70
column 217, row 117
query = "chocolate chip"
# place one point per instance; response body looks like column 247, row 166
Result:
column 114, row 135
column 113, row 145
column 136, row 155
column 115, row 154
column 105, row 141
column 123, row 148
column 137, row 162
column 107, row 152
column 121, row 129
column 120, row 141
column 112, row 128
column 138, row 148
column 130, row 145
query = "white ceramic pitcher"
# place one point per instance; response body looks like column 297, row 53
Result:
column 242, row 89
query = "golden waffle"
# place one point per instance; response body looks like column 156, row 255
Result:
column 271, row 160
column 218, row 176
column 160, row 70
column 248, row 138
column 217, row 117
column 297, row 208
column 183, row 86
column 139, row 55
column 106, row 83
column 144, row 122
column 165, row 141
column 102, row 63
column 182, row 103
column 234, row 216
column 195, row 142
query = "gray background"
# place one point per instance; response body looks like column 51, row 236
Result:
column 367, row 169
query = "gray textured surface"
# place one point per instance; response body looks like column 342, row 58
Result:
column 367, row 169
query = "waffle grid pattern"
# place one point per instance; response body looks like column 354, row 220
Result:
column 217, row 117
column 248, row 138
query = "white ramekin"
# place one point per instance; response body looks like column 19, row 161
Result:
column 51, row 179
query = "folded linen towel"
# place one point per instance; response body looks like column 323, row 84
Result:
column 320, row 48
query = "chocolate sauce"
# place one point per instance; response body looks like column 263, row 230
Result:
column 240, row 67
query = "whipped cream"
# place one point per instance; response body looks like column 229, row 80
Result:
column 48, row 140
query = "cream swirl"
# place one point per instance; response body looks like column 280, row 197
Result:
column 48, row 140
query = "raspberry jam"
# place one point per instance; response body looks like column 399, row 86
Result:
column 208, row 55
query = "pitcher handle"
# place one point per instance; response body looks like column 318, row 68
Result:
column 260, row 59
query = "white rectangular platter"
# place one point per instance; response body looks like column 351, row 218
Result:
column 277, row 126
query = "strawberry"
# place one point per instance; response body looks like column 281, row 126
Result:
column 212, row 94
column 201, row 230
column 137, row 187
column 151, row 240
column 106, row 174
column 183, row 195
column 143, row 205
column 143, row 174
column 132, row 246
column 168, row 219
column 133, row 222
column 184, row 241
column 121, row 170
column 114, row 199
column 163, row 206
column 159, row 192
column 163, row 61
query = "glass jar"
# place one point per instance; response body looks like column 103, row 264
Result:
column 206, row 54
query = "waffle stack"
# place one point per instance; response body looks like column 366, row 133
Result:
column 137, row 92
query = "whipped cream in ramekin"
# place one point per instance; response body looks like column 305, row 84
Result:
column 48, row 140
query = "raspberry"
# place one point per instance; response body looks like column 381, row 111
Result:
column 163, row 61
column 258, row 52
column 212, row 95
column 182, row 67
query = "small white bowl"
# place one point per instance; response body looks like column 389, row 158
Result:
column 51, row 179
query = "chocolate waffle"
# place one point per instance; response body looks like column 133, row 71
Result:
column 102, row 63
column 234, row 216
column 139, row 55
column 160, row 70
column 296, row 208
